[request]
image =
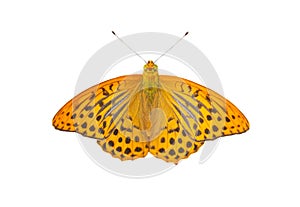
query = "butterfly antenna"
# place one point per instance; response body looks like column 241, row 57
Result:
column 128, row 46
column 171, row 47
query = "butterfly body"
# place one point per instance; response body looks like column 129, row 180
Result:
column 168, row 116
column 150, row 83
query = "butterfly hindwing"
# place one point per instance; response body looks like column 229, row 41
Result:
column 122, row 129
column 176, row 139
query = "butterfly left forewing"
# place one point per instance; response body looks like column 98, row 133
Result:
column 102, row 112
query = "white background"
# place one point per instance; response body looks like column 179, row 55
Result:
column 254, row 47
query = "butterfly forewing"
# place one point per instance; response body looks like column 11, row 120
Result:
column 102, row 112
column 209, row 112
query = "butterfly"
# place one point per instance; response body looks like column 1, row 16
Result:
column 167, row 116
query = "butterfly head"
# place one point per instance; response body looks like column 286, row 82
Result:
column 150, row 67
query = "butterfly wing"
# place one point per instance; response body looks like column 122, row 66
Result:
column 195, row 114
column 114, row 112
column 105, row 112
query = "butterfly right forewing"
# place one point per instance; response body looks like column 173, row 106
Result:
column 215, row 115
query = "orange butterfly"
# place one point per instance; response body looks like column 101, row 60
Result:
column 168, row 116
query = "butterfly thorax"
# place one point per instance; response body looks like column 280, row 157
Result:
column 150, row 82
